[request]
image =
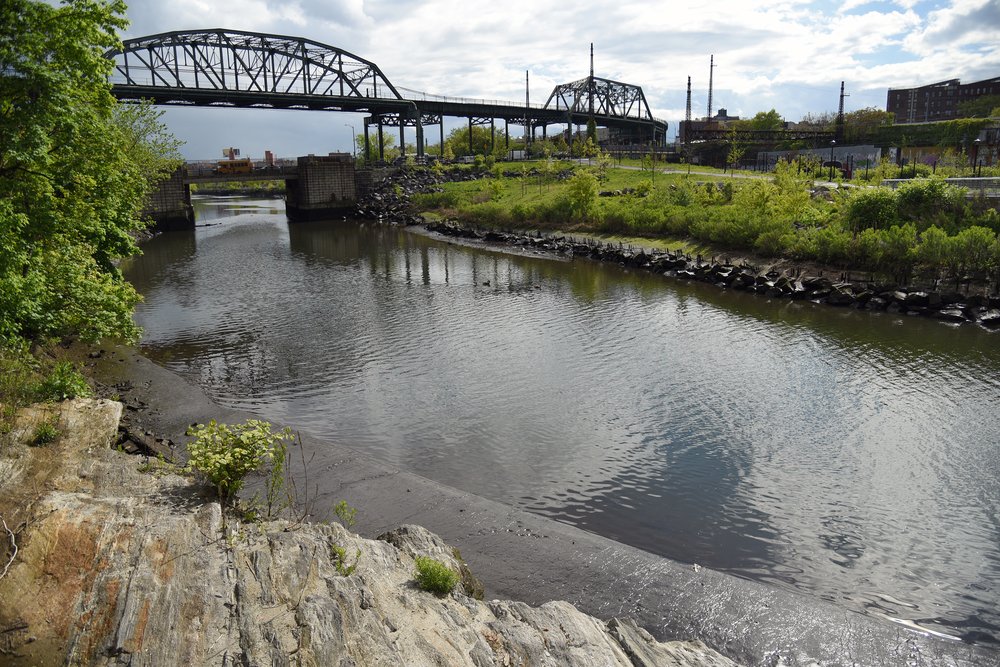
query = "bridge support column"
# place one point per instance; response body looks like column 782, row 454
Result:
column 368, row 146
column 506, row 134
column 326, row 188
column 169, row 204
column 381, row 142
column 470, row 136
column 402, row 138
column 441, row 145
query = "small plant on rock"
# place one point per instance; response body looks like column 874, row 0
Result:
column 226, row 454
column 345, row 513
column 45, row 433
column 434, row 576
column 338, row 555
column 64, row 382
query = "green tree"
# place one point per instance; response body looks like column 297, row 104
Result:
column 581, row 193
column 764, row 120
column 74, row 172
column 389, row 149
column 982, row 107
column 592, row 131
column 482, row 140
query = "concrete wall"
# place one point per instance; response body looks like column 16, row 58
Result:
column 169, row 204
column 325, row 187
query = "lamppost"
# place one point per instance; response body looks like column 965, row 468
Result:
column 975, row 154
column 833, row 142
column 354, row 140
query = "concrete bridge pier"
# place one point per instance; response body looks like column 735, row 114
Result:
column 169, row 204
column 325, row 187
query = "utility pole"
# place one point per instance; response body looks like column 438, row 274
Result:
column 527, row 114
column 711, row 71
column 840, row 115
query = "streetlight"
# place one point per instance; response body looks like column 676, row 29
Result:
column 975, row 154
column 833, row 142
column 354, row 140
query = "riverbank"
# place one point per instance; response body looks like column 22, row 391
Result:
column 522, row 556
column 547, row 222
column 792, row 283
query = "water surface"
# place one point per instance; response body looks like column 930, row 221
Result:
column 853, row 456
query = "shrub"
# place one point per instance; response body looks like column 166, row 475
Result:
column 45, row 433
column 338, row 555
column 871, row 208
column 226, row 454
column 345, row 513
column 930, row 201
column 434, row 576
column 581, row 195
column 65, row 381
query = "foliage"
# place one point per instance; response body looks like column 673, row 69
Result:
column 872, row 208
column 345, row 513
column 581, row 195
column 592, row 131
column 225, row 454
column 276, row 496
column 919, row 227
column 63, row 382
column 338, row 555
column 763, row 120
column 981, row 107
column 736, row 149
column 434, row 576
column 74, row 172
column 483, row 142
column 45, row 433
column 18, row 380
column 390, row 151
column 955, row 133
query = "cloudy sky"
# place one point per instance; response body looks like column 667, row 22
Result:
column 790, row 55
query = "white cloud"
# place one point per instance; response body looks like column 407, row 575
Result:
column 786, row 54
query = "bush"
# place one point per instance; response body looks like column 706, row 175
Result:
column 932, row 201
column 226, row 454
column 434, row 576
column 45, row 433
column 871, row 208
column 64, row 382
column 581, row 195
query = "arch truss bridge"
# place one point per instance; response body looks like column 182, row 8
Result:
column 229, row 68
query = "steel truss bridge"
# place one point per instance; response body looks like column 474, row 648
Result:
column 230, row 68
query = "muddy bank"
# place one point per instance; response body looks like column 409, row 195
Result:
column 521, row 556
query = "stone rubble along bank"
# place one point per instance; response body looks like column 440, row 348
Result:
column 121, row 560
column 946, row 306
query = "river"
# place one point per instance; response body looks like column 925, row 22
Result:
column 853, row 456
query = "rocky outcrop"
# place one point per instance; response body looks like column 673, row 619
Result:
column 115, row 559
column 794, row 285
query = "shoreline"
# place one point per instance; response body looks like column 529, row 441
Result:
column 792, row 283
column 531, row 558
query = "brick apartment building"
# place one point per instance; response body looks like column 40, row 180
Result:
column 936, row 101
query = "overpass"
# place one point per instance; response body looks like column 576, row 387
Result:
column 230, row 68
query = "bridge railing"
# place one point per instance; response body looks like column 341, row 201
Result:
column 417, row 95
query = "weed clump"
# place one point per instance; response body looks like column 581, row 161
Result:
column 434, row 576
